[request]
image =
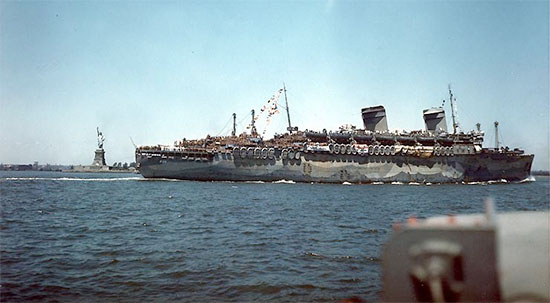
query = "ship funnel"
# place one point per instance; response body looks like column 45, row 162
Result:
column 434, row 118
column 374, row 118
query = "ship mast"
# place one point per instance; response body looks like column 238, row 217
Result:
column 287, row 110
column 453, row 109
column 253, row 130
column 234, row 131
column 496, row 134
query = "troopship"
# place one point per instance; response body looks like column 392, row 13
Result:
column 372, row 154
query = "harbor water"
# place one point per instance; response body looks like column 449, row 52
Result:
column 68, row 237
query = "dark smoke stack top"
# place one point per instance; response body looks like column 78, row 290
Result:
column 434, row 118
column 374, row 118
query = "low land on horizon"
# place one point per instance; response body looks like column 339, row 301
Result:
column 116, row 167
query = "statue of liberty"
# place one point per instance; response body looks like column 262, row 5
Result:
column 100, row 139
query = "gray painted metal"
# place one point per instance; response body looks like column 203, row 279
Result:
column 469, row 258
column 463, row 261
column 325, row 167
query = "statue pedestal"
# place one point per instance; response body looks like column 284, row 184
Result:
column 99, row 159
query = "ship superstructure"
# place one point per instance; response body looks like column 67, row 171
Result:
column 371, row 154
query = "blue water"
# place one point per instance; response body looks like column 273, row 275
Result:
column 116, row 237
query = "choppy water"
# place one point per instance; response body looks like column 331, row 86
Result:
column 115, row 237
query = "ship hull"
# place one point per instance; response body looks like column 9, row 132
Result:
column 332, row 168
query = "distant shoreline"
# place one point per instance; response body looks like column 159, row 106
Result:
column 68, row 168
column 101, row 171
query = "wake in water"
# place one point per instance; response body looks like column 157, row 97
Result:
column 160, row 179
column 528, row 179
column 284, row 182
column 497, row 181
column 501, row 181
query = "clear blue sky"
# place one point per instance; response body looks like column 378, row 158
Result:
column 159, row 72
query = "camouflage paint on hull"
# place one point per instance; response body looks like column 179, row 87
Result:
column 337, row 168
